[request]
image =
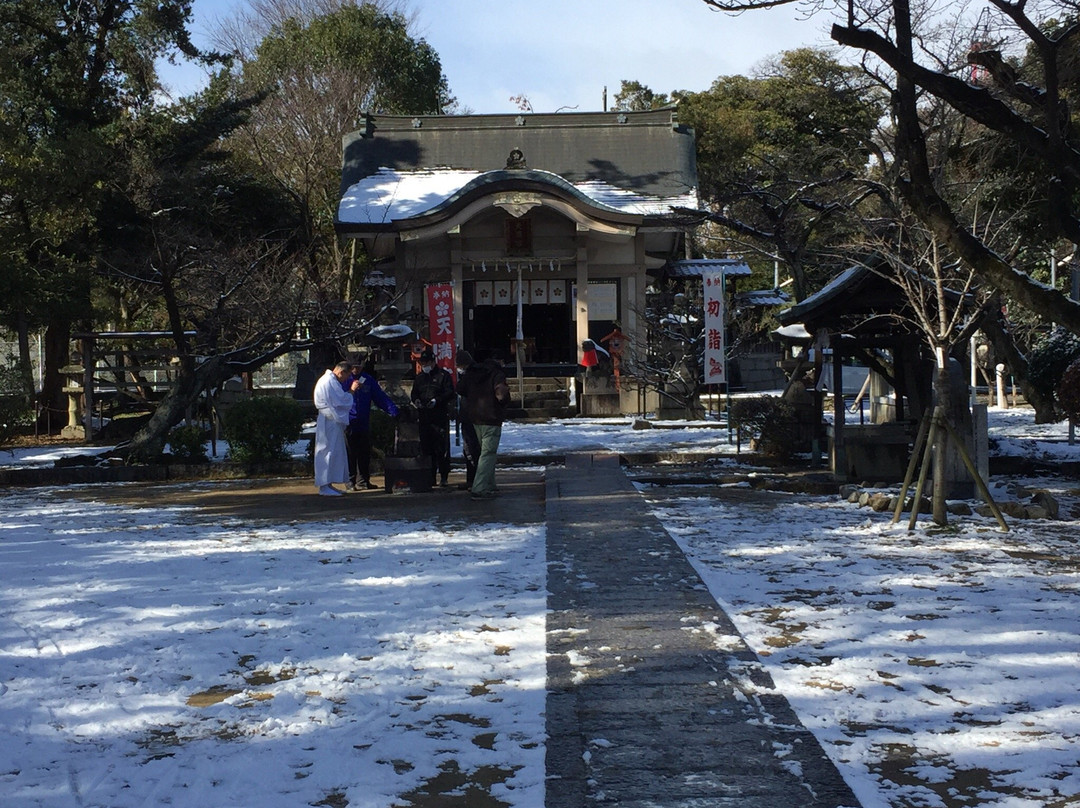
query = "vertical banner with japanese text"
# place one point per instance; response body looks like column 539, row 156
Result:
column 440, row 300
column 713, row 288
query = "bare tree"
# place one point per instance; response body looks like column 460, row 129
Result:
column 1020, row 93
column 322, row 64
column 241, row 32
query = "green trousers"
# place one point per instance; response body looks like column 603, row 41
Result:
column 489, row 435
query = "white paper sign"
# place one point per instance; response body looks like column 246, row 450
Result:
column 603, row 301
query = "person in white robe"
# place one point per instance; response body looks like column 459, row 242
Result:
column 333, row 401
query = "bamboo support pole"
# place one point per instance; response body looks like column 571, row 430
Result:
column 913, row 462
column 928, row 452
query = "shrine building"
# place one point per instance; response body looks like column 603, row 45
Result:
column 543, row 229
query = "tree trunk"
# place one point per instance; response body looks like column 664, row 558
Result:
column 192, row 381
column 943, row 396
column 26, row 361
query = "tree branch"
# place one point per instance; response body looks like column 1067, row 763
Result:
column 973, row 102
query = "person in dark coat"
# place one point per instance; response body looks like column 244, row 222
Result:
column 484, row 396
column 432, row 394
column 470, row 444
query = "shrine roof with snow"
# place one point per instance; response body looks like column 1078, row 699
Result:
column 638, row 164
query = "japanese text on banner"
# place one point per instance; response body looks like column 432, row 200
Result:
column 713, row 287
column 440, row 300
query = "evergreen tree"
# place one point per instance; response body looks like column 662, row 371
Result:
column 72, row 74
column 321, row 74
column 781, row 157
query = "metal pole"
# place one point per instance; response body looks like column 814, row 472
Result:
column 519, row 338
column 974, row 367
column 1074, row 277
column 727, row 378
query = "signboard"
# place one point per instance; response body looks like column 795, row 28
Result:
column 603, row 300
column 713, row 287
column 440, row 300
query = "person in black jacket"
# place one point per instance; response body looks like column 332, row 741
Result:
column 484, row 396
column 432, row 394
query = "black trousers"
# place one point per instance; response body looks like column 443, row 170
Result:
column 358, row 445
column 470, row 450
column 435, row 443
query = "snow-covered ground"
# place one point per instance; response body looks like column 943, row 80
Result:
column 150, row 657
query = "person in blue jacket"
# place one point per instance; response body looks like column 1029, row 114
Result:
column 358, row 434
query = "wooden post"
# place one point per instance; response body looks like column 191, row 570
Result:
column 88, row 347
column 839, row 450
column 913, row 462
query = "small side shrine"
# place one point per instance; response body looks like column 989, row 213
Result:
column 859, row 316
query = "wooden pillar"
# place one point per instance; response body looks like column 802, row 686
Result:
column 839, row 453
column 581, row 304
column 900, row 373
column 457, row 284
column 88, row 348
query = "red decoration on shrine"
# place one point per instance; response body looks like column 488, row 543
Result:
column 616, row 343
column 588, row 354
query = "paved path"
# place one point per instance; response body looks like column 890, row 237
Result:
column 654, row 700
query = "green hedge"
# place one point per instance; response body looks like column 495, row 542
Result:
column 187, row 443
column 769, row 421
column 16, row 413
column 260, row 429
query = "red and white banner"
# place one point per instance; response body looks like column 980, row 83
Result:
column 715, row 368
column 440, row 300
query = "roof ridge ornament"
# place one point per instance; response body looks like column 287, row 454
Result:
column 517, row 203
column 516, row 160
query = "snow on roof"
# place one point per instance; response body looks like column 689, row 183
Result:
column 632, row 202
column 390, row 195
column 794, row 332
column 396, row 331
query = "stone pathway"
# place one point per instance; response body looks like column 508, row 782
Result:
column 654, row 700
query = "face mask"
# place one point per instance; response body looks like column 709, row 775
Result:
column 427, row 368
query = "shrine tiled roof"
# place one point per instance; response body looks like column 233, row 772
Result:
column 392, row 195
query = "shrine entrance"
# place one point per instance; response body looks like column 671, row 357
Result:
column 548, row 328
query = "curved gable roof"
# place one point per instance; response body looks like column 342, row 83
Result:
column 634, row 162
column 391, row 199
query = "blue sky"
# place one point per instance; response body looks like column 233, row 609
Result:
column 562, row 53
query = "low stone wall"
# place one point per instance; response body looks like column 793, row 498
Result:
column 80, row 475
column 1024, row 503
